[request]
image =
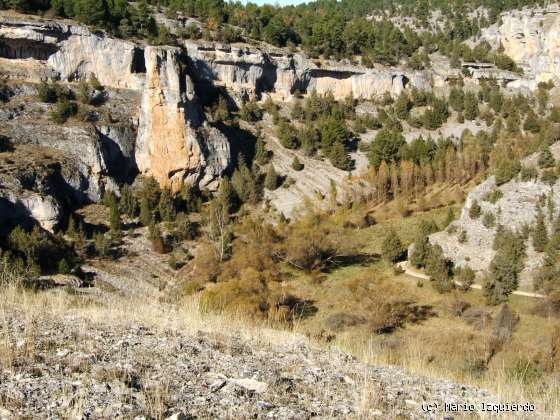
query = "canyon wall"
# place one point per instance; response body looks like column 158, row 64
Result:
column 169, row 145
column 531, row 37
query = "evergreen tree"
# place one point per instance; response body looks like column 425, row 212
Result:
column 392, row 248
column 471, row 106
column 128, row 203
column 261, row 156
column 457, row 99
column 271, row 178
column 531, row 122
column 540, row 234
column 339, row 157
column 439, row 269
column 166, row 206
column 146, row 215
column 503, row 274
column 420, row 252
column 156, row 239
column 402, row 106
column 115, row 222
column 226, row 194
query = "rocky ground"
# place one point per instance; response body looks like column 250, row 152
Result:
column 73, row 367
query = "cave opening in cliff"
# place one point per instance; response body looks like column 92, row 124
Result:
column 18, row 49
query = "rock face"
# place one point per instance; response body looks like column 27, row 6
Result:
column 532, row 39
column 72, row 51
column 247, row 71
column 169, row 145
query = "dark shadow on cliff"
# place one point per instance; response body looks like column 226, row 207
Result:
column 241, row 142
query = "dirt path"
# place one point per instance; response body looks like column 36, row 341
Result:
column 404, row 265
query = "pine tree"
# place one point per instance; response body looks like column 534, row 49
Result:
column 226, row 194
column 128, row 203
column 420, row 251
column 115, row 222
column 471, row 106
column 503, row 274
column 166, row 206
column 146, row 215
column 540, row 234
column 156, row 239
column 392, row 248
column 339, row 157
column 261, row 156
column 271, row 178
column 439, row 269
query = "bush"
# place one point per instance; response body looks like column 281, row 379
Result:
column 475, row 210
column 392, row 248
column 63, row 110
column 465, row 276
column 488, row 220
column 47, row 92
column 296, row 164
column 493, row 196
column 549, row 177
column 504, row 324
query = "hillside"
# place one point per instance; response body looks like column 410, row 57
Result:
column 206, row 208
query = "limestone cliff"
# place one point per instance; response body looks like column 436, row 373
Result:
column 531, row 37
column 169, row 144
column 247, row 71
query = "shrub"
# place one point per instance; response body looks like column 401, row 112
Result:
column 475, row 210
column 463, row 237
column 489, row 220
column 465, row 276
column 529, row 173
column 504, row 324
column 546, row 160
column 296, row 164
column 47, row 92
column 63, row 110
column 493, row 196
column 392, row 248
column 156, row 239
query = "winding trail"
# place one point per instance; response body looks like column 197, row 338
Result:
column 404, row 265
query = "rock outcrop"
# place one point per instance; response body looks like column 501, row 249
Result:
column 468, row 242
column 531, row 37
column 169, row 144
column 247, row 71
column 72, row 51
